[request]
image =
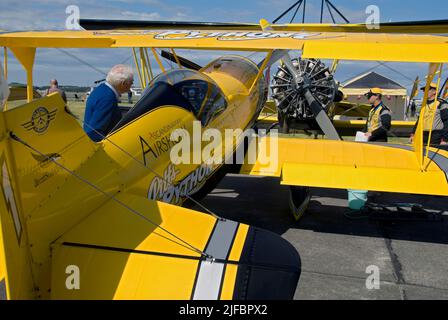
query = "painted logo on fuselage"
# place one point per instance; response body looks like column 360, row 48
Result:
column 164, row 188
column 40, row 120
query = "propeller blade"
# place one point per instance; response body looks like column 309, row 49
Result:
column 321, row 117
column 414, row 90
column 426, row 26
column 443, row 90
column 98, row 24
column 183, row 61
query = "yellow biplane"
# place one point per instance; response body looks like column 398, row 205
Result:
column 85, row 220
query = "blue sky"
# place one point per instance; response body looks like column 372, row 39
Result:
column 50, row 14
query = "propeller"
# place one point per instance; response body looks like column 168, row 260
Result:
column 302, row 82
column 99, row 24
column 183, row 61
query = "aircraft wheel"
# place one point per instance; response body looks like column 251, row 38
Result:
column 299, row 198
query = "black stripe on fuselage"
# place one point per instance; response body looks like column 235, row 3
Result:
column 267, row 248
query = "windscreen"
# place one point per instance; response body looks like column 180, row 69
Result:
column 184, row 88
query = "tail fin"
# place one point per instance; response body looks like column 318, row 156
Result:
column 28, row 181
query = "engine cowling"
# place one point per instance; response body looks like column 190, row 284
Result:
column 289, row 97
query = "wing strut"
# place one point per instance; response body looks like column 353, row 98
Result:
column 435, row 69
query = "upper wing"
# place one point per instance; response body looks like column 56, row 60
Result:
column 351, row 165
column 428, row 27
column 348, row 46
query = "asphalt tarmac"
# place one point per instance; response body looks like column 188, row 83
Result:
column 408, row 251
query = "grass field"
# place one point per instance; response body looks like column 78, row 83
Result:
column 77, row 107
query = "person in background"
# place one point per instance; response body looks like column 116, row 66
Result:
column 129, row 96
column 435, row 119
column 380, row 119
column 413, row 108
column 102, row 112
column 54, row 87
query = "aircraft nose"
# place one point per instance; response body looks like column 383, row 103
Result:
column 269, row 268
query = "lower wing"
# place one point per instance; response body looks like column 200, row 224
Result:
column 352, row 165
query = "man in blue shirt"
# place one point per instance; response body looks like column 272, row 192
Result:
column 102, row 112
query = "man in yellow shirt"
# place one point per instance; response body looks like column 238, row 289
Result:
column 380, row 119
column 435, row 118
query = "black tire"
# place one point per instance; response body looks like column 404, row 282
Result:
column 299, row 198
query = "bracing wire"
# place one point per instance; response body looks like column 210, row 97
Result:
column 183, row 243
column 147, row 168
column 82, row 61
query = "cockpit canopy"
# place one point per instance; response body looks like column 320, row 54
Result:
column 184, row 88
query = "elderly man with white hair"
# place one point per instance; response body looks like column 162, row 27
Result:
column 102, row 112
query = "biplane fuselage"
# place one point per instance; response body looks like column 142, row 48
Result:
column 75, row 208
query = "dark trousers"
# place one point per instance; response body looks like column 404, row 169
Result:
column 436, row 137
column 378, row 139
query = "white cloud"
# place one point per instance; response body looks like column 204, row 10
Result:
column 16, row 18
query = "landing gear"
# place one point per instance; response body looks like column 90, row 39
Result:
column 283, row 123
column 299, row 198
